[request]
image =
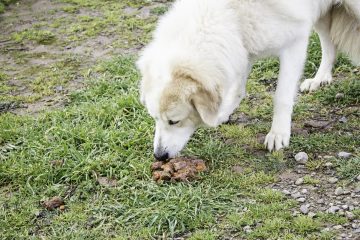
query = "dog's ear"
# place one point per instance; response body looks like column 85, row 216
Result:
column 140, row 64
column 207, row 105
column 185, row 88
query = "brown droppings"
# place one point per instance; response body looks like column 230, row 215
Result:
column 53, row 203
column 178, row 169
column 168, row 167
column 156, row 166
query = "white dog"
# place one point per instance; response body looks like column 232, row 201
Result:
column 194, row 72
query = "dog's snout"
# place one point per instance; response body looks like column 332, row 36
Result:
column 162, row 156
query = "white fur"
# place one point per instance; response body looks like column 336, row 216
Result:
column 339, row 30
column 218, row 41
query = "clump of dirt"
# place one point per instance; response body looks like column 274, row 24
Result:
column 181, row 169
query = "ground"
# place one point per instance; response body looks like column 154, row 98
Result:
column 71, row 125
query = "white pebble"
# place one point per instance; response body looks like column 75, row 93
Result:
column 299, row 181
column 304, row 209
column 338, row 227
column 344, row 155
column 302, row 199
column 350, row 215
column 333, row 180
column 302, row 157
column 339, row 191
column 286, row 192
column 247, row 229
column 333, row 209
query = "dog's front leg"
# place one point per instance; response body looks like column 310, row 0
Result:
column 292, row 61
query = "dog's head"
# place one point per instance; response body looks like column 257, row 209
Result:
column 179, row 103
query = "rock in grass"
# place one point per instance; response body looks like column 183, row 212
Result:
column 344, row 155
column 358, row 178
column 343, row 120
column 247, row 229
column 296, row 195
column 328, row 164
column 304, row 208
column 301, row 157
column 350, row 215
column 299, row 181
column 302, row 199
column 337, row 227
column 333, row 180
column 339, row 191
column 286, row 192
column 339, row 96
column 333, row 209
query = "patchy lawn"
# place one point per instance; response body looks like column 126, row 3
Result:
column 70, row 117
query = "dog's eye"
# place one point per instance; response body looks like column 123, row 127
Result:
column 173, row 122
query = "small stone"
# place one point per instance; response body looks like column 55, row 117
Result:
column 299, row 181
column 357, row 189
column 333, row 180
column 343, row 235
column 328, row 157
column 304, row 209
column 286, row 192
column 339, row 95
column 326, row 230
column 304, row 191
column 350, row 215
column 302, row 157
column 346, row 192
column 339, row 191
column 247, row 229
column 344, row 155
column 333, row 209
column 302, row 199
column 343, row 120
column 320, row 201
column 328, row 164
column 337, row 227
column 357, row 231
column 355, row 226
column 358, row 178
column 345, row 207
column 296, row 195
column 311, row 214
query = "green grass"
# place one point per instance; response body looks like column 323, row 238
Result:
column 104, row 131
column 39, row 36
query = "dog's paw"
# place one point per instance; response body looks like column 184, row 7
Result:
column 277, row 140
column 313, row 84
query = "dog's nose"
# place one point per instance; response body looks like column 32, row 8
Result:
column 161, row 156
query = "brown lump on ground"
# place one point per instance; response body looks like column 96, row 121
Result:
column 180, row 169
